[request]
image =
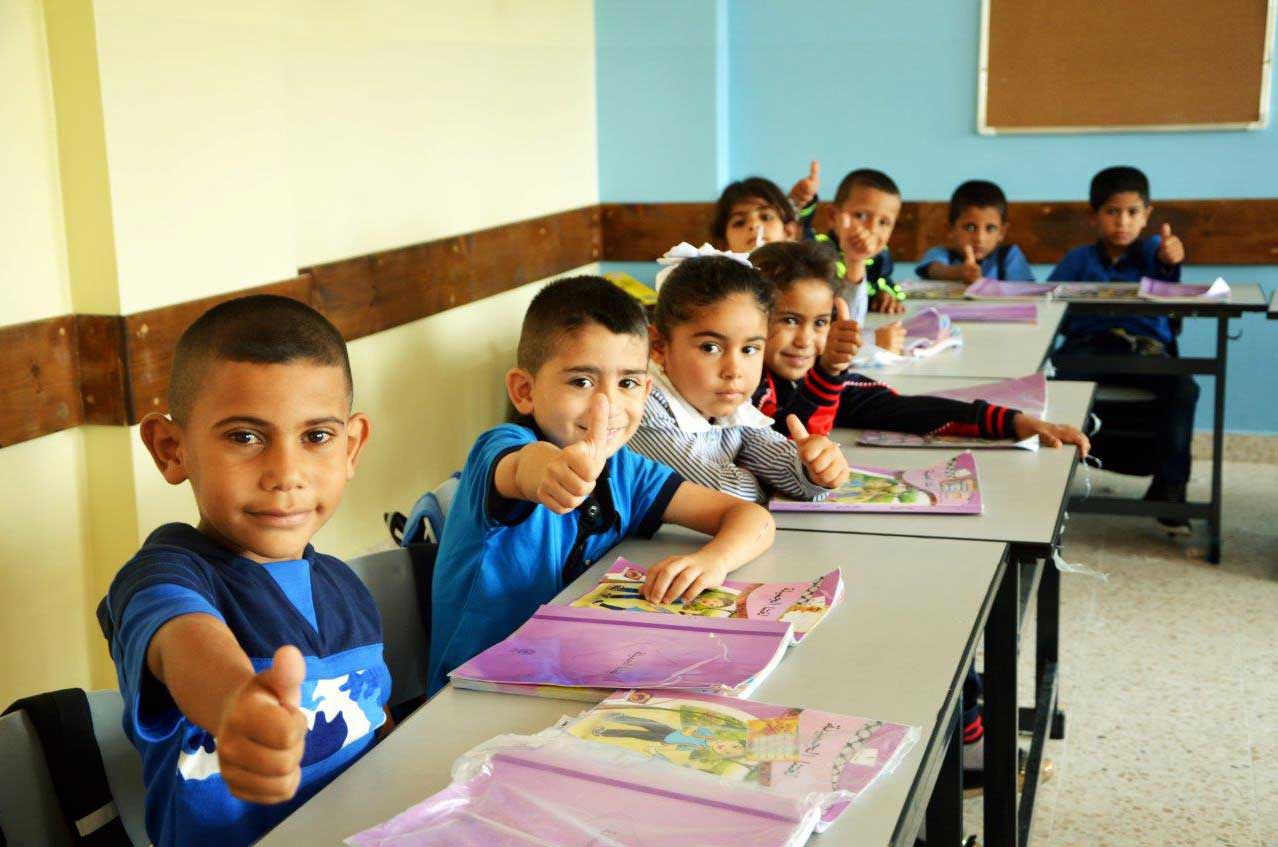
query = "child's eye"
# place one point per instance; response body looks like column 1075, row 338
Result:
column 969, row 228
column 582, row 382
column 766, row 215
column 991, row 228
column 629, row 383
column 709, row 347
column 243, row 437
column 751, row 349
column 822, row 323
column 318, row 436
column 790, row 320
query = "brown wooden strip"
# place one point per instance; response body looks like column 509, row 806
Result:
column 640, row 232
column 368, row 294
column 151, row 336
column 39, row 388
column 104, row 387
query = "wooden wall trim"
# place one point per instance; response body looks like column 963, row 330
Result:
column 1216, row 232
column 39, row 383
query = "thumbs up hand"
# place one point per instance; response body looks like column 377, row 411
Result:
column 842, row 342
column 570, row 476
column 822, row 459
column 857, row 242
column 261, row 735
column 970, row 270
column 805, row 190
column 1171, row 251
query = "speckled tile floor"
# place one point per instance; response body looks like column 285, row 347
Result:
column 1169, row 679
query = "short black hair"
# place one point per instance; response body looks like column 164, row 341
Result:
column 1116, row 180
column 783, row 263
column 264, row 329
column 865, row 178
column 698, row 283
column 743, row 190
column 568, row 304
column 978, row 193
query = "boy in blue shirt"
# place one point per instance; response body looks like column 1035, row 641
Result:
column 1119, row 198
column 543, row 498
column 251, row 665
column 978, row 225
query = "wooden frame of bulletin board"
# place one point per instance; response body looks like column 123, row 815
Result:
column 1124, row 65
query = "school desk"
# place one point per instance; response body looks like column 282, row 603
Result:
column 1025, row 495
column 1243, row 297
column 897, row 648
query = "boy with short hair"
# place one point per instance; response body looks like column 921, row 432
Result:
column 866, row 206
column 1119, row 199
column 978, row 225
column 542, row 498
column 251, row 665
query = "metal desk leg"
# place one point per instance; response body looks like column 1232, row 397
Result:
column 1000, row 716
column 945, row 808
column 1047, row 637
column 1218, row 440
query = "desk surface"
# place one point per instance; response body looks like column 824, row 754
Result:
column 1243, row 297
column 1024, row 493
column 990, row 350
column 911, row 617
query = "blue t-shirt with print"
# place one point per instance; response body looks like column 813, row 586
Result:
column 500, row 559
column 1006, row 263
column 315, row 603
column 1091, row 263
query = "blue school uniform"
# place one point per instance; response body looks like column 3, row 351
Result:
column 1091, row 263
column 500, row 559
column 315, row 603
column 1006, row 263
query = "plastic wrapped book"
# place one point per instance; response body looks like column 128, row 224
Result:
column 993, row 289
column 990, row 312
column 1177, row 292
column 949, row 487
column 802, row 604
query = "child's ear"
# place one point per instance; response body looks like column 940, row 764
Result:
column 519, row 386
column 656, row 346
column 163, row 439
column 358, row 428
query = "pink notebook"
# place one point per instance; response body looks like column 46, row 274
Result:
column 787, row 750
column 929, row 332
column 993, row 289
column 990, row 312
column 583, row 653
column 951, row 487
column 803, row 604
column 1176, row 292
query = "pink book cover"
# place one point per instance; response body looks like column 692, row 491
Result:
column 991, row 312
column 791, row 751
column 1157, row 289
column 930, row 289
column 561, row 646
column 802, row 604
column 557, row 795
column 951, row 487
column 929, row 332
column 993, row 289
column 1092, row 291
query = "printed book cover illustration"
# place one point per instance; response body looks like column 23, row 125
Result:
column 802, row 604
column 569, row 652
column 1027, row 394
column 948, row 487
column 928, row 289
column 1095, row 291
column 789, row 750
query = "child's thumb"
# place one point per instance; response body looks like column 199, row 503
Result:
column 597, row 427
column 814, row 170
column 285, row 675
column 841, row 310
column 797, row 430
column 1166, row 231
column 969, row 255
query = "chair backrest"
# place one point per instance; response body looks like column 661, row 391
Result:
column 395, row 582
column 29, row 811
column 121, row 761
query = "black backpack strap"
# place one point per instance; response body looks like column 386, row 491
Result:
column 64, row 726
column 1001, row 252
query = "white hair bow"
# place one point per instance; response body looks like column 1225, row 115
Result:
column 683, row 250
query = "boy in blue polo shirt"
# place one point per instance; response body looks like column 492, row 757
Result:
column 1119, row 198
column 978, row 225
column 251, row 665
column 543, row 498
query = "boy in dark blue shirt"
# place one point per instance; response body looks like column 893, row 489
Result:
column 978, row 225
column 541, row 499
column 251, row 665
column 1119, row 198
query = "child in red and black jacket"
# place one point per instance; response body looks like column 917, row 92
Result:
column 808, row 356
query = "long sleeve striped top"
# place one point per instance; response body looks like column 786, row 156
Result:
column 740, row 455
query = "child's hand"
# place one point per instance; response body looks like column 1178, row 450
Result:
column 1050, row 434
column 970, row 270
column 1172, row 250
column 891, row 337
column 570, row 476
column 885, row 302
column 843, row 341
column 821, row 457
column 857, row 242
column 682, row 576
column 805, row 190
column 262, row 734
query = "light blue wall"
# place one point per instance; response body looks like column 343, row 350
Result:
column 891, row 86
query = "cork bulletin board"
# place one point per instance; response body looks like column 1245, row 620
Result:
column 1124, row 65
